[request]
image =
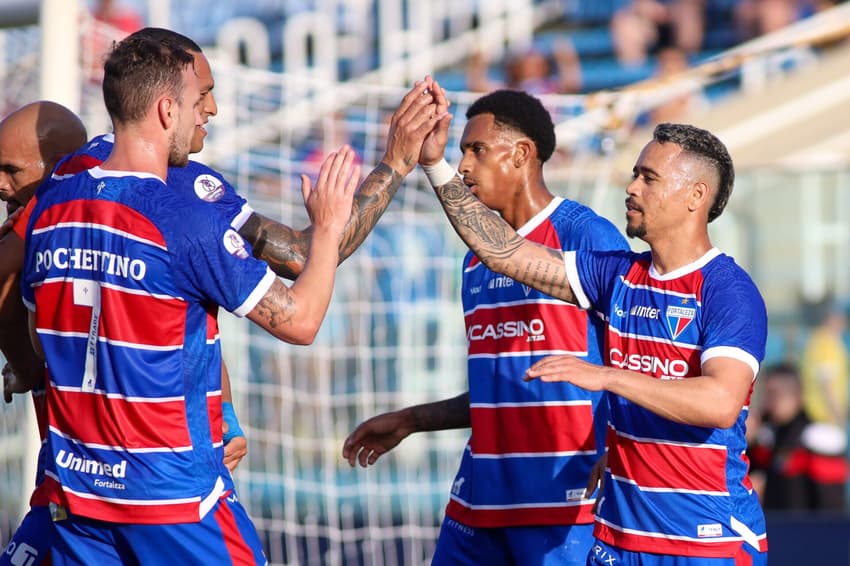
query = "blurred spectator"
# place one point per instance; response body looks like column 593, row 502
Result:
column 801, row 465
column 757, row 17
column 110, row 22
column 120, row 17
column 641, row 26
column 672, row 63
column 825, row 368
column 530, row 71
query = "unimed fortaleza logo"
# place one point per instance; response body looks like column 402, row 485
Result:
column 208, row 188
column 70, row 461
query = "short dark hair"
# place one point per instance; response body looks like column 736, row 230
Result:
column 142, row 66
column 706, row 146
column 522, row 112
column 169, row 38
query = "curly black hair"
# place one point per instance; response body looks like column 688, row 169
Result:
column 704, row 145
column 522, row 112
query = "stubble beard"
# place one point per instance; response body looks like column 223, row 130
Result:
column 177, row 156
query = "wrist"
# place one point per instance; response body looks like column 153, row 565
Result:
column 400, row 168
column 228, row 415
column 439, row 173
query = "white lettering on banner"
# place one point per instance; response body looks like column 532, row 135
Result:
column 534, row 329
column 69, row 461
column 90, row 260
column 648, row 364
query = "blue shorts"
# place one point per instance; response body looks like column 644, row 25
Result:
column 30, row 545
column 545, row 545
column 224, row 536
column 603, row 554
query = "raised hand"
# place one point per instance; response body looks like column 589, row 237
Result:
column 329, row 202
column 434, row 146
column 415, row 117
column 375, row 437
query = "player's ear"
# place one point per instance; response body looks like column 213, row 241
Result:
column 699, row 196
column 523, row 151
column 166, row 109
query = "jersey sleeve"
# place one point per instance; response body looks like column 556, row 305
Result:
column 592, row 275
column 214, row 261
column 735, row 318
column 211, row 187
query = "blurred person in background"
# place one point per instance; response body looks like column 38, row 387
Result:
column 825, row 368
column 530, row 71
column 796, row 464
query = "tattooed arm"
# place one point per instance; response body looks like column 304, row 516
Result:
column 285, row 249
column 383, row 432
column 498, row 245
column 294, row 314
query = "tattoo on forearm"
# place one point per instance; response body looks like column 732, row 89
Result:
column 284, row 249
column 278, row 306
column 370, row 202
column 496, row 243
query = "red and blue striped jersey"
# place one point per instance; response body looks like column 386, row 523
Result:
column 196, row 179
column 124, row 274
column 532, row 444
column 672, row 488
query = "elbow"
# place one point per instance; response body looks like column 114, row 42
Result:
column 723, row 417
column 303, row 334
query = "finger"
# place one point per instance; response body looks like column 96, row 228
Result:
column 408, row 99
column 306, row 188
column 336, row 167
column 324, row 170
column 363, row 457
column 440, row 98
column 344, row 170
column 415, row 108
column 353, row 181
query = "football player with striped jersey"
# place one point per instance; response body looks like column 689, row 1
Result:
column 685, row 333
column 122, row 275
column 519, row 493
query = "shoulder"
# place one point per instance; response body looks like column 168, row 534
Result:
column 203, row 181
column 582, row 228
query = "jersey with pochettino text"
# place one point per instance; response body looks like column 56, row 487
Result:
column 123, row 273
column 533, row 444
column 196, row 180
column 672, row 488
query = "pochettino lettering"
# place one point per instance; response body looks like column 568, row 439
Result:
column 90, row 260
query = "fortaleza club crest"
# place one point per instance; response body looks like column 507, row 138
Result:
column 679, row 317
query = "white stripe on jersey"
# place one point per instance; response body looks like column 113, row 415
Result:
column 95, row 226
column 96, row 446
column 621, row 479
column 703, row 540
column 117, row 395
